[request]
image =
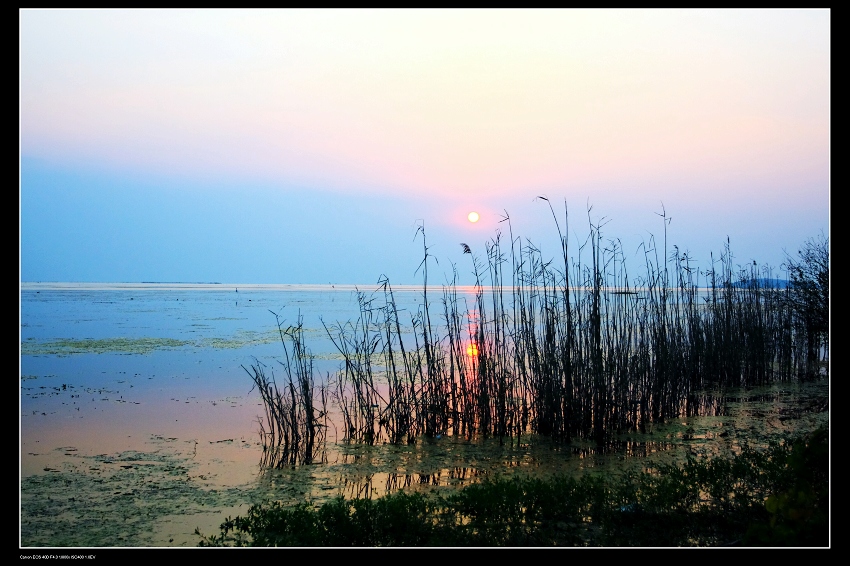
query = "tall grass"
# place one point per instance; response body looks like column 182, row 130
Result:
column 570, row 348
column 295, row 426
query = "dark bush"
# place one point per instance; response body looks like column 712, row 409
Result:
column 773, row 497
column 808, row 297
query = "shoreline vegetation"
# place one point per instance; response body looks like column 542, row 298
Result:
column 570, row 349
column 773, row 497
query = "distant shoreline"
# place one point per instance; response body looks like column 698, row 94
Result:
column 228, row 287
column 366, row 288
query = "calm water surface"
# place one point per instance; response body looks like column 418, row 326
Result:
column 134, row 401
column 101, row 364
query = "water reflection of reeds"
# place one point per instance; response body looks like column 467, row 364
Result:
column 357, row 470
column 380, row 483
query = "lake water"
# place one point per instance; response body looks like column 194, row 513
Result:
column 138, row 423
column 108, row 365
column 111, row 369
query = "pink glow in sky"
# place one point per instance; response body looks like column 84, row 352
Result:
column 431, row 101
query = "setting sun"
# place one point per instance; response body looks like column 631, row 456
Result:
column 473, row 217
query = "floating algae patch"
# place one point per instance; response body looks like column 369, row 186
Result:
column 115, row 500
column 66, row 346
column 241, row 339
column 245, row 338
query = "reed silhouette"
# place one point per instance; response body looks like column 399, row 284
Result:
column 296, row 424
column 573, row 348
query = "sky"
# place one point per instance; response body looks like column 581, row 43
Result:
column 310, row 146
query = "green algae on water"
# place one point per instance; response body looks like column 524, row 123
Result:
column 114, row 500
column 67, row 346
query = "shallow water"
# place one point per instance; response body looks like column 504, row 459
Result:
column 95, row 360
column 138, row 423
column 108, row 370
